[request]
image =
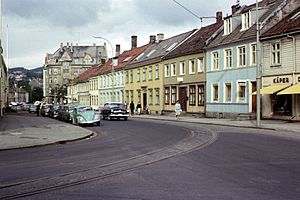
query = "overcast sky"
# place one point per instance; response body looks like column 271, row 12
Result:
column 37, row 27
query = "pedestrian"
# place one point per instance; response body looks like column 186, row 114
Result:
column 138, row 107
column 131, row 106
column 38, row 109
column 177, row 110
column 125, row 105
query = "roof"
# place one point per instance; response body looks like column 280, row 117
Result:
column 123, row 60
column 157, row 50
column 84, row 77
column 196, row 42
column 289, row 24
column 237, row 35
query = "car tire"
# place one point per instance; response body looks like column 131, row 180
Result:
column 125, row 118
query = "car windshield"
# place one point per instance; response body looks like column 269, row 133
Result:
column 83, row 109
column 112, row 105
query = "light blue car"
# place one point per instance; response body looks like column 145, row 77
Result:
column 85, row 115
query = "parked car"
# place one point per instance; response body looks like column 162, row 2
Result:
column 66, row 112
column 114, row 110
column 45, row 109
column 85, row 115
column 54, row 110
column 32, row 108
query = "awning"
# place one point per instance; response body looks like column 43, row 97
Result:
column 294, row 89
column 271, row 89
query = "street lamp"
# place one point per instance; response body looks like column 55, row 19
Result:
column 112, row 64
column 258, row 74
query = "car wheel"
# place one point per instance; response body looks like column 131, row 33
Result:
column 109, row 118
column 125, row 118
column 98, row 123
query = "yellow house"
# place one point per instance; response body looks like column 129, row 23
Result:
column 144, row 75
column 184, row 71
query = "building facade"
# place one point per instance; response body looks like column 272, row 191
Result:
column 3, row 86
column 281, row 66
column 67, row 63
column 184, row 71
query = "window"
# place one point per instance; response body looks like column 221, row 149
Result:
column 192, row 66
column 192, row 98
column 228, row 58
column 227, row 26
column 150, row 73
column 131, row 95
column 156, row 72
column 138, row 75
column 215, row 92
column 126, row 77
column 246, row 21
column 241, row 91
column 227, row 92
column 173, row 69
column 215, row 61
column 167, row 95
column 144, row 74
column 157, row 96
column 50, row 80
column 173, row 95
column 242, row 56
column 55, row 71
column 150, row 96
column 167, row 71
column 139, row 95
column 55, row 81
column 131, row 76
column 200, row 95
column 181, row 68
column 253, row 54
column 200, row 64
column 275, row 54
column 127, row 95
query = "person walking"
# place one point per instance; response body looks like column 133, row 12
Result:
column 38, row 107
column 131, row 106
column 139, row 107
column 177, row 110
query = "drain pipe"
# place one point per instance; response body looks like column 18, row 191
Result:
column 294, row 97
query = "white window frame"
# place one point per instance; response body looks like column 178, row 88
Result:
column 227, row 64
column 227, row 26
column 213, row 93
column 275, row 53
column 150, row 73
column 182, row 68
column 192, row 66
column 215, row 60
column 244, row 56
column 157, row 96
column 238, row 84
column 253, row 54
column 200, row 65
column 226, row 92
column 156, row 71
column 138, row 74
column 150, row 96
column 246, row 20
column 167, row 70
column 173, row 69
column 144, row 73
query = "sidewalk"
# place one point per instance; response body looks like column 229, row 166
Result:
column 19, row 131
column 278, row 125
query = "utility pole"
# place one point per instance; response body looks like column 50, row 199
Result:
column 258, row 73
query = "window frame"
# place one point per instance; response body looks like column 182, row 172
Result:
column 173, row 95
column 226, row 92
column 201, row 95
column 167, row 70
column 192, row 66
column 274, row 54
column 215, row 60
column 200, row 67
column 192, row 95
column 167, row 96
column 244, row 83
column 228, row 58
column 215, row 93
column 241, row 56
column 173, row 69
column 182, row 68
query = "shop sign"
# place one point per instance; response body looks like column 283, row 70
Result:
column 281, row 80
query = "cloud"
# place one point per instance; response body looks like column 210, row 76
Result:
column 64, row 13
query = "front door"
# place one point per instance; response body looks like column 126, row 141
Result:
column 144, row 101
column 183, row 98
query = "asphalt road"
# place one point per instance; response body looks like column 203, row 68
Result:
column 139, row 159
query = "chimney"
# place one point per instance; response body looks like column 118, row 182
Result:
column 235, row 8
column 68, row 45
column 152, row 39
column 71, row 47
column 160, row 37
column 133, row 41
column 219, row 17
column 118, row 49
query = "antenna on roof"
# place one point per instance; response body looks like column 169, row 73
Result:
column 191, row 12
column 238, row 2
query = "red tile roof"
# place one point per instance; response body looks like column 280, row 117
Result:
column 84, row 77
column 289, row 24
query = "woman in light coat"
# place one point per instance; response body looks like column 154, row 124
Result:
column 177, row 109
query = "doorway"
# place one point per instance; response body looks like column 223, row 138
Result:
column 183, row 98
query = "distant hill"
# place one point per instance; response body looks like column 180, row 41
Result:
column 38, row 70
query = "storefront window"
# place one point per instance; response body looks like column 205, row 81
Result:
column 282, row 104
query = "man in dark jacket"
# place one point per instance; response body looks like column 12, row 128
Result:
column 131, row 106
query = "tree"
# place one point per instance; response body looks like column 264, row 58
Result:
column 37, row 94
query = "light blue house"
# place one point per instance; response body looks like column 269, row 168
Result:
column 231, row 62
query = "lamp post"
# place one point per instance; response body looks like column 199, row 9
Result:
column 258, row 74
column 112, row 65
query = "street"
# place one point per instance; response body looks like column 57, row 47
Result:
column 147, row 159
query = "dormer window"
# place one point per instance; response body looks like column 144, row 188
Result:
column 246, row 21
column 227, row 26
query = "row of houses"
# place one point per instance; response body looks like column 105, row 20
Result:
column 212, row 71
